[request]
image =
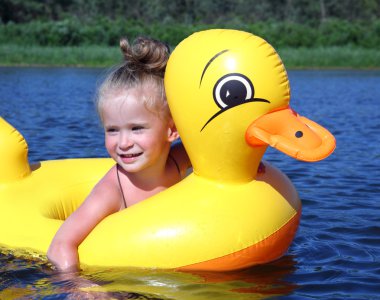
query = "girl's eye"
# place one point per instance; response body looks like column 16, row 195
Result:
column 137, row 128
column 111, row 130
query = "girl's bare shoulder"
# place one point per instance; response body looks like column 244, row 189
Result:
column 106, row 192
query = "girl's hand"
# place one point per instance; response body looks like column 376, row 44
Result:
column 64, row 257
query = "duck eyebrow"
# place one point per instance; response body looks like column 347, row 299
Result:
column 209, row 62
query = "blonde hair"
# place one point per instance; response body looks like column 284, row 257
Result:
column 143, row 68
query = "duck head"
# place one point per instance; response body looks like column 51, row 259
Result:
column 229, row 94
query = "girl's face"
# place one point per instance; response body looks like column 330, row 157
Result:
column 135, row 137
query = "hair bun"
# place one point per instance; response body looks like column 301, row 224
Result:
column 145, row 54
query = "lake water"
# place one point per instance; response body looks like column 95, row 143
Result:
column 336, row 252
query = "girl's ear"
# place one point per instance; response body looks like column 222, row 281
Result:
column 172, row 132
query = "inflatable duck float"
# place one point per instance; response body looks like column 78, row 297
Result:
column 229, row 95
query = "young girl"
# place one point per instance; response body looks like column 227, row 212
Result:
column 139, row 131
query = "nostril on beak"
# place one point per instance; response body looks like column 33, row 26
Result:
column 299, row 134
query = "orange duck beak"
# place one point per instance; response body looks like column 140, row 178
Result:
column 292, row 134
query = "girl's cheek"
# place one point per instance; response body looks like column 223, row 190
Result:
column 109, row 142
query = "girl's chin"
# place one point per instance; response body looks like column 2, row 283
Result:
column 132, row 167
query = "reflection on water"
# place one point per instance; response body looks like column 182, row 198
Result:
column 335, row 254
column 23, row 278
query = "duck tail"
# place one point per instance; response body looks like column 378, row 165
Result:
column 14, row 163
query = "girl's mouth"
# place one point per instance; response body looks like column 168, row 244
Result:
column 130, row 158
column 130, row 155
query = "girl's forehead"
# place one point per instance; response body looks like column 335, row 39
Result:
column 139, row 92
column 134, row 99
column 128, row 107
column 124, row 104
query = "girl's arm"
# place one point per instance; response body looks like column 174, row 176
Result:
column 103, row 200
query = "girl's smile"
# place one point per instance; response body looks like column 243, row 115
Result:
column 129, row 158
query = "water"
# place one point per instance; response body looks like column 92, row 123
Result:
column 336, row 252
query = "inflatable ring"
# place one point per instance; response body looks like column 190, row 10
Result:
column 229, row 95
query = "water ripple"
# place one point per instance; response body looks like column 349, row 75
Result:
column 336, row 252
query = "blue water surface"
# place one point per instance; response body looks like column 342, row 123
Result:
column 336, row 252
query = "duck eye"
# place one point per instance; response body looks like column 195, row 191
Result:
column 232, row 90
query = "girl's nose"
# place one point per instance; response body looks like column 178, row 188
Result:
column 125, row 141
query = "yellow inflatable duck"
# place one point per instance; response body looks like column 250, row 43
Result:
column 229, row 95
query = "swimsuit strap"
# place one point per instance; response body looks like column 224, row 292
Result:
column 176, row 164
column 121, row 188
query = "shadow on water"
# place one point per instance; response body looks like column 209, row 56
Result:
column 31, row 277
